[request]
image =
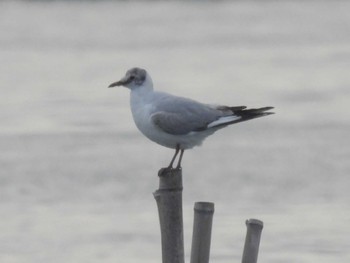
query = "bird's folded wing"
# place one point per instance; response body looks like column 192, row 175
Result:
column 180, row 116
column 178, row 124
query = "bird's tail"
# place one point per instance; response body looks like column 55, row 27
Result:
column 239, row 114
column 248, row 114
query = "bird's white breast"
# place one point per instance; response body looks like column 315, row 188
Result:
column 141, row 109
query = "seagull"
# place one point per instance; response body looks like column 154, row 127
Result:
column 176, row 122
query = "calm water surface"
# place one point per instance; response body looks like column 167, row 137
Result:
column 77, row 178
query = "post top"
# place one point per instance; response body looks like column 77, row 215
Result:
column 204, row 207
column 255, row 222
column 170, row 179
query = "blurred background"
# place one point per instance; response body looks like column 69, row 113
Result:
column 76, row 177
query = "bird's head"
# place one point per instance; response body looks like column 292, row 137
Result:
column 134, row 78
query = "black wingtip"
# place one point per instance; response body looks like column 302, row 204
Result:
column 263, row 109
column 266, row 108
column 248, row 114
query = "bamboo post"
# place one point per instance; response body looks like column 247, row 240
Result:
column 252, row 241
column 169, row 202
column 202, row 224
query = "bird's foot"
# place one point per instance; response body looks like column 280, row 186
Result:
column 169, row 169
column 165, row 170
column 178, row 167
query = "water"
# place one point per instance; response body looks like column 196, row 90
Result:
column 77, row 177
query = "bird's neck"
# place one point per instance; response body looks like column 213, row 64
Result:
column 143, row 91
column 141, row 95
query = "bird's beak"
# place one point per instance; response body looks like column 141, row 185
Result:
column 121, row 82
column 115, row 84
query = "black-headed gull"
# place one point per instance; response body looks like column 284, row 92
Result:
column 176, row 122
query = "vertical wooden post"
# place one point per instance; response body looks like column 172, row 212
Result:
column 169, row 202
column 202, row 224
column 252, row 241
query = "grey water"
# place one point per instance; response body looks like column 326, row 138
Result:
column 76, row 177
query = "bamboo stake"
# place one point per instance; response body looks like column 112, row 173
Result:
column 169, row 202
column 252, row 241
column 202, row 225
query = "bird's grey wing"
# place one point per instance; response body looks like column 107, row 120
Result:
column 177, row 124
column 179, row 116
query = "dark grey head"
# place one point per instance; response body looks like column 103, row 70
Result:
column 133, row 78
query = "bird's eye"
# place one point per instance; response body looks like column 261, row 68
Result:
column 132, row 77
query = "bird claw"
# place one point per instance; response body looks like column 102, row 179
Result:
column 168, row 169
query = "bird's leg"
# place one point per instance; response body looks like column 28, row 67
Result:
column 180, row 158
column 172, row 160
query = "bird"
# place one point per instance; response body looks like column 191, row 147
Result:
column 177, row 122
